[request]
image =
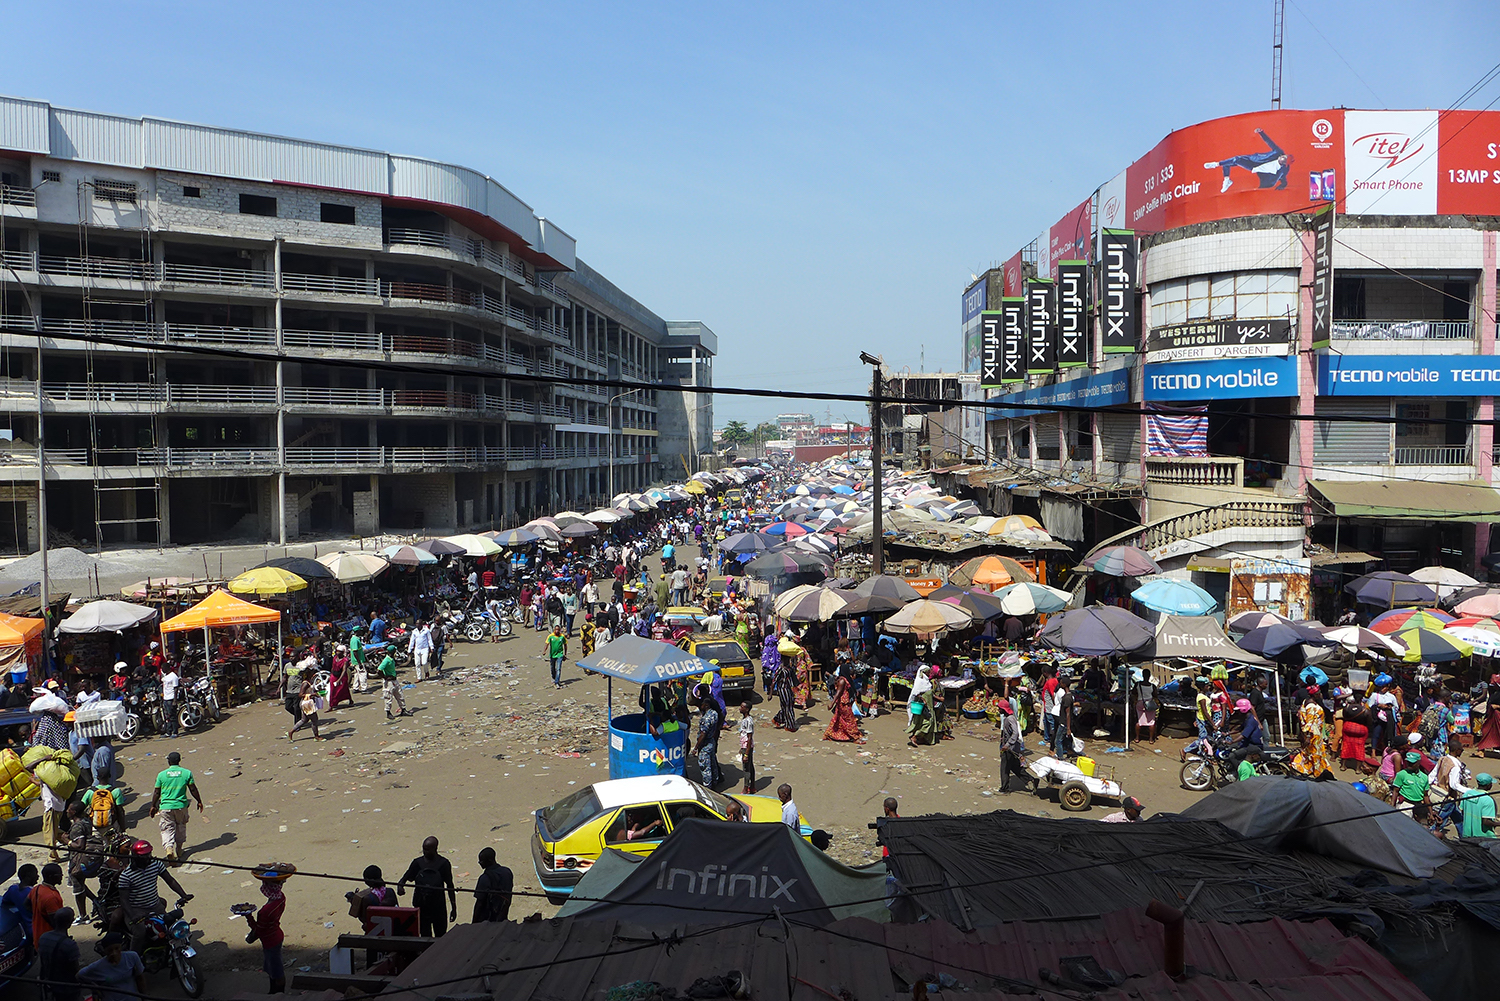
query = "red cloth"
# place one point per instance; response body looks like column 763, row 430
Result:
column 1489, row 735
column 44, row 902
column 844, row 726
column 267, row 924
column 1352, row 748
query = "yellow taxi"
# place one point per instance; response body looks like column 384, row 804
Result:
column 723, row 651
column 632, row 815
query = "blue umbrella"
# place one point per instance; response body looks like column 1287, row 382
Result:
column 1279, row 637
column 749, row 542
column 1175, row 597
column 842, row 489
column 643, row 661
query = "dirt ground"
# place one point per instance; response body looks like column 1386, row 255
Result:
column 487, row 744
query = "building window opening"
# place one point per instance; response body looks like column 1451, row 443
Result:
column 191, row 191
column 257, row 205
column 343, row 215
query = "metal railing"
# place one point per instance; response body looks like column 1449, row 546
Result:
column 203, row 458
column 1432, row 455
column 336, row 457
column 104, row 392
column 222, row 395
column 1402, row 330
column 1203, row 471
column 423, row 344
column 418, row 238
column 333, row 340
column 329, row 396
column 10, row 195
column 193, row 274
column 329, row 284
column 216, row 334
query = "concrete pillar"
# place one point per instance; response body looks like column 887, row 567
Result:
column 1303, row 432
column 1483, row 433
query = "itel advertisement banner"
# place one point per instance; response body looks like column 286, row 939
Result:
column 989, row 354
column 1468, row 180
column 1322, row 290
column 1204, row 339
column 1041, row 328
column 1013, row 276
column 1068, row 239
column 1390, row 162
column 1072, row 314
column 1013, row 339
column 1246, row 165
column 1117, row 270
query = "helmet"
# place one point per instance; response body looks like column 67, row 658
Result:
column 141, row 849
column 1243, row 705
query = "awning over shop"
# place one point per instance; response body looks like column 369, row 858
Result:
column 1340, row 559
column 1405, row 500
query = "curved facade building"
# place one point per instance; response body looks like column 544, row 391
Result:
column 1306, row 389
column 249, row 336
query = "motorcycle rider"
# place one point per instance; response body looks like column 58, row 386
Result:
column 140, row 899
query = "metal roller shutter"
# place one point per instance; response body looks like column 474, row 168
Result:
column 1120, row 438
column 1352, row 443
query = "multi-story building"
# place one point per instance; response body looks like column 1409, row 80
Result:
column 230, row 335
column 1364, row 422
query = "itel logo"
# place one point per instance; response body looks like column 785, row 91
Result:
column 1112, row 209
column 1392, row 147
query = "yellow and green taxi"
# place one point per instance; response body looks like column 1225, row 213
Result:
column 632, row 815
column 724, row 652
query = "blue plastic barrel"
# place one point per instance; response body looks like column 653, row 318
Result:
column 633, row 752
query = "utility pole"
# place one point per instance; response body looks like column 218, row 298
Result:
column 877, row 530
column 1277, row 28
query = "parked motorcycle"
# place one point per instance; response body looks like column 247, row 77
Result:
column 1205, row 767
column 169, row 946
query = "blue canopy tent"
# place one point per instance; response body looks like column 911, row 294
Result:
column 634, row 747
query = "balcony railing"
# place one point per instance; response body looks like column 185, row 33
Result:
column 476, row 250
column 1432, row 455
column 333, row 340
column 1197, row 472
column 200, row 458
column 17, row 196
column 1402, row 330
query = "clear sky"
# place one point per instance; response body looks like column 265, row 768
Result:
column 810, row 179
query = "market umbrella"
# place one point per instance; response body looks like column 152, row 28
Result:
column 748, row 542
column 515, row 537
column 351, row 568
column 1354, row 638
column 1430, row 646
column 1474, row 622
column 470, row 544
column 1121, row 561
column 1246, row 621
column 1027, row 598
column 1097, row 631
column 981, row 604
column 1279, row 637
column 1175, row 597
column 1387, row 589
column 217, row 610
column 886, row 586
column 694, row 487
column 1444, row 580
column 162, row 585
column 563, row 519
column 823, row 604
column 1486, row 604
column 407, row 556
column 266, row 580
column 1486, row 642
column 543, row 522
column 1196, row 637
column 441, row 547
column 925, row 617
column 994, row 569
column 1410, row 618
column 106, row 617
column 791, row 529
column 303, row 566
column 792, row 595
column 579, row 529
column 604, row 516
column 546, row 532
column 872, row 604
column 1014, row 523
column 786, row 561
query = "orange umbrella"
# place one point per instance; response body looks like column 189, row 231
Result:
column 219, row 609
column 18, row 631
column 990, row 571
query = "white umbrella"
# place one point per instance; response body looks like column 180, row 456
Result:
column 603, row 516
column 1444, row 580
column 475, row 545
column 351, row 568
column 924, row 616
column 105, row 617
column 1354, row 638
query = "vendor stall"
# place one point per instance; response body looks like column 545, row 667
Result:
column 222, row 610
column 20, row 646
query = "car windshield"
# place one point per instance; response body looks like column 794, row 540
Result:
column 717, row 802
column 721, row 653
column 566, row 814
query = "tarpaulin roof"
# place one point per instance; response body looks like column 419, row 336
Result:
column 1331, row 818
column 1195, row 637
column 727, row 870
column 582, row 958
column 1409, row 500
column 217, row 610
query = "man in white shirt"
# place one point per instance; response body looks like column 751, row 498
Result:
column 420, row 646
column 1447, row 783
column 1129, row 813
column 169, row 682
column 789, row 814
column 590, row 597
column 679, row 586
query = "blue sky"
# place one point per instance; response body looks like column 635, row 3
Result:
column 811, row 180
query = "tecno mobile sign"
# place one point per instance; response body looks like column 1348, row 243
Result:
column 1223, row 379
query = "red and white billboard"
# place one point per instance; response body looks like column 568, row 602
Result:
column 1068, row 239
column 1013, row 280
column 1468, row 177
column 1254, row 164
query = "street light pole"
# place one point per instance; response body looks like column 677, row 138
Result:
column 609, row 413
column 877, row 529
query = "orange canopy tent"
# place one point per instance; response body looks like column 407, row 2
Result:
column 220, row 609
column 18, row 631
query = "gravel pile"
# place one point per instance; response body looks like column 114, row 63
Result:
column 62, row 565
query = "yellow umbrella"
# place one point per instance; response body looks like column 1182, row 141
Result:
column 266, row 580
column 694, row 487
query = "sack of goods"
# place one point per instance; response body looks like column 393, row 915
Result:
column 18, row 789
column 57, row 770
column 100, row 719
column 787, row 646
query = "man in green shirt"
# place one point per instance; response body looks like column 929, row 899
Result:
column 557, row 651
column 1410, row 786
column 357, row 658
column 169, row 805
column 1246, row 769
column 390, row 688
column 1478, row 807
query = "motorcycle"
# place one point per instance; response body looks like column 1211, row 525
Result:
column 482, row 623
column 169, row 946
column 1206, row 767
column 206, row 694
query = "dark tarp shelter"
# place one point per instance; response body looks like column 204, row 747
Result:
column 728, row 870
column 1195, row 637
